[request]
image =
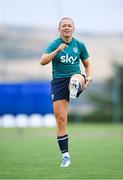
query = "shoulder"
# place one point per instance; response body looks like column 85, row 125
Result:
column 79, row 43
column 82, row 49
column 52, row 46
column 57, row 41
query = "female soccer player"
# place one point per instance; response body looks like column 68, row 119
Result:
column 65, row 53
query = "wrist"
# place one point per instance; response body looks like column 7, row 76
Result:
column 57, row 50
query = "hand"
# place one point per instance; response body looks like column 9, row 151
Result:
column 87, row 82
column 62, row 47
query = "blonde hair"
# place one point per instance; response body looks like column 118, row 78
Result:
column 64, row 18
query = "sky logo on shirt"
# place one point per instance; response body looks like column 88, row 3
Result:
column 68, row 59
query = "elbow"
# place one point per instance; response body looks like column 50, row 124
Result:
column 42, row 62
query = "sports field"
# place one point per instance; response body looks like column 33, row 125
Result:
column 96, row 152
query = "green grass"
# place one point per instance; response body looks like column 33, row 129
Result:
column 96, row 151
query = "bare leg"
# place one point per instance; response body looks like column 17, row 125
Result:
column 60, row 111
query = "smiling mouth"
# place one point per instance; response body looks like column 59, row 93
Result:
column 67, row 31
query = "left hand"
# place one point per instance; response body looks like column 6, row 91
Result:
column 87, row 82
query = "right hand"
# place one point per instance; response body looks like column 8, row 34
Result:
column 62, row 47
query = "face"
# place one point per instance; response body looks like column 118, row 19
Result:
column 66, row 28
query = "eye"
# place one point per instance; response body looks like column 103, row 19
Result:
column 64, row 25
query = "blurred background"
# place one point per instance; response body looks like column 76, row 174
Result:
column 26, row 29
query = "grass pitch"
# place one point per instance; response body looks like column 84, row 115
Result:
column 96, row 152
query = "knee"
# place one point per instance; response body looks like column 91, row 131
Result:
column 61, row 120
column 79, row 78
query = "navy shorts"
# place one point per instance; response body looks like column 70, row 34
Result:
column 60, row 88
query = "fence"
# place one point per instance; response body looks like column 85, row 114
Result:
column 25, row 98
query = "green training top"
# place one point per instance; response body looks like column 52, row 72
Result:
column 67, row 62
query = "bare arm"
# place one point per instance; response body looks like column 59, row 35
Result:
column 88, row 67
column 88, row 70
column 46, row 58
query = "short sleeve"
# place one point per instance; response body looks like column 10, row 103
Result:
column 84, row 53
column 51, row 47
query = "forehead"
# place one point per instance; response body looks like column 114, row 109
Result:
column 66, row 21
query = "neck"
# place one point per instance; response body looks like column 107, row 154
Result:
column 66, row 39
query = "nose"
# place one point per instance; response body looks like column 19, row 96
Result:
column 67, row 28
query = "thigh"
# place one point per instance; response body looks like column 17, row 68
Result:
column 59, row 89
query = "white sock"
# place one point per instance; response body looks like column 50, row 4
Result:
column 66, row 154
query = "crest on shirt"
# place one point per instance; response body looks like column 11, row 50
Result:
column 75, row 49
